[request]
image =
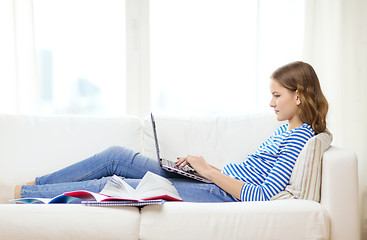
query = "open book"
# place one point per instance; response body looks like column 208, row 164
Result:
column 151, row 187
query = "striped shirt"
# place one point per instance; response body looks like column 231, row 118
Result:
column 267, row 172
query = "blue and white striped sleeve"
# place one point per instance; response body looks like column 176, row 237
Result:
column 277, row 132
column 280, row 174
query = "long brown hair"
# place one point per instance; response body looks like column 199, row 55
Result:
column 302, row 77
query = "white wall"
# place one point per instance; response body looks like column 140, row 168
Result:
column 336, row 45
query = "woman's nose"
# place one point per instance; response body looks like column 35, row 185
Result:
column 272, row 103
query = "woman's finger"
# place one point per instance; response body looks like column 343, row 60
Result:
column 180, row 160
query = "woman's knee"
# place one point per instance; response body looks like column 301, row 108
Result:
column 114, row 149
column 118, row 153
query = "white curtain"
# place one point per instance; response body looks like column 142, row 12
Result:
column 18, row 74
column 336, row 45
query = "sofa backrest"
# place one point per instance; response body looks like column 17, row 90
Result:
column 31, row 146
column 220, row 140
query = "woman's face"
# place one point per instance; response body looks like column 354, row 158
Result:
column 284, row 101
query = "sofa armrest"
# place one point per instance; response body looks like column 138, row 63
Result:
column 339, row 192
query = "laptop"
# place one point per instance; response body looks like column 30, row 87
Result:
column 170, row 166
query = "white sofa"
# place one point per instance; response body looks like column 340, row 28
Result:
column 31, row 146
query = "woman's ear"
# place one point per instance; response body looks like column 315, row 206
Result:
column 298, row 100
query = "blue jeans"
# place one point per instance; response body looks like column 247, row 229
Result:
column 93, row 173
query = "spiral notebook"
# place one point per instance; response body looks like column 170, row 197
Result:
column 123, row 203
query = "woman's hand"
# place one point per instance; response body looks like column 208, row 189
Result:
column 228, row 184
column 196, row 162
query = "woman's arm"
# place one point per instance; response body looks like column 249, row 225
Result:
column 228, row 184
column 279, row 175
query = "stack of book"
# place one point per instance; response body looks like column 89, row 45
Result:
column 151, row 190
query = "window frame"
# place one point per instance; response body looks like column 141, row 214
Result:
column 137, row 58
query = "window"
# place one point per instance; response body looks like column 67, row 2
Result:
column 216, row 56
column 112, row 57
column 81, row 55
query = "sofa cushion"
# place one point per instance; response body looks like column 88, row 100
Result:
column 287, row 219
column 67, row 221
column 305, row 181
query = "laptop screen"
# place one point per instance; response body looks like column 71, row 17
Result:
column 155, row 138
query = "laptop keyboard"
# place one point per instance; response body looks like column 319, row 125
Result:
column 186, row 171
column 186, row 168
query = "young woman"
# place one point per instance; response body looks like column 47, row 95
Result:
column 296, row 97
